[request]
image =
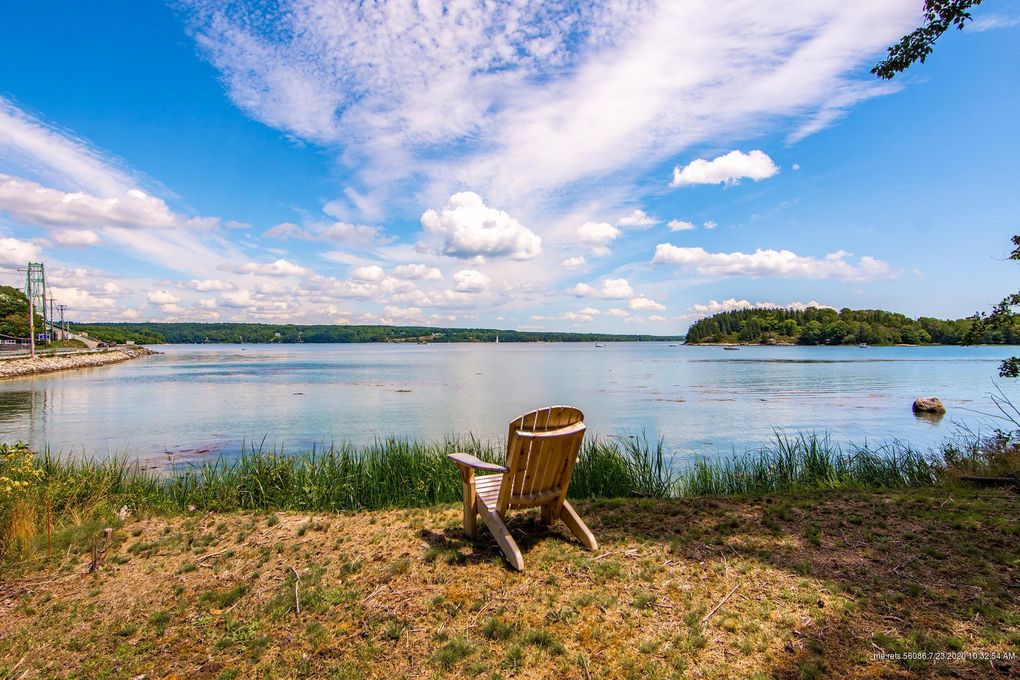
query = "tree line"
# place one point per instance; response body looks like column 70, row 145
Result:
column 192, row 333
column 818, row 326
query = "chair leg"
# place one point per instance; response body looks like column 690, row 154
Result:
column 470, row 508
column 578, row 527
column 502, row 536
column 547, row 517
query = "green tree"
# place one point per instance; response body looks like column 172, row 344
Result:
column 939, row 17
column 1001, row 323
column 14, row 313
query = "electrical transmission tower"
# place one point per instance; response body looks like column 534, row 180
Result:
column 35, row 287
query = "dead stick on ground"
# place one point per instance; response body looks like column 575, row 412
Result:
column 721, row 603
column 297, row 599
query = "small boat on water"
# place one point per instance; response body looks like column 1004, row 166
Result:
column 600, row 344
column 863, row 345
column 731, row 348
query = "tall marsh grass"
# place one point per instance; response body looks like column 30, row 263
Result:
column 404, row 473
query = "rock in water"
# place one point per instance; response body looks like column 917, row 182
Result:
column 928, row 405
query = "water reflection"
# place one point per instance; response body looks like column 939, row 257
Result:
column 195, row 402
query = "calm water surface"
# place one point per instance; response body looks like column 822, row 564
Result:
column 191, row 400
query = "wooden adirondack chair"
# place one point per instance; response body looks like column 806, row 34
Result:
column 541, row 451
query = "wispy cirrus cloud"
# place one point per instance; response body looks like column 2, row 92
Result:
column 519, row 98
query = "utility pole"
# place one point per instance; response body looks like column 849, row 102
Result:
column 31, row 312
column 63, row 324
column 49, row 330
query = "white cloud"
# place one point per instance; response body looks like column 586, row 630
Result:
column 280, row 267
column 372, row 273
column 710, row 225
column 51, row 155
column 732, row 304
column 680, row 225
column 241, row 299
column 586, row 314
column 656, row 318
column 207, row 285
column 471, row 281
column 355, row 234
column 772, row 263
column 162, row 297
column 283, row 231
column 16, row 252
column 417, row 271
column 80, row 300
column 76, row 237
column 597, row 236
column 611, row 289
column 545, row 94
column 642, row 304
column 470, row 229
column 989, row 22
column 637, row 219
column 618, row 313
column 729, row 168
column 33, row 203
column 575, row 262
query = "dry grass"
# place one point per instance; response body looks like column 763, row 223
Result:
column 824, row 581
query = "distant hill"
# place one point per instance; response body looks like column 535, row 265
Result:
column 191, row 333
column 816, row 326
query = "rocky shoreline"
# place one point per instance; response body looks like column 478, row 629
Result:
column 15, row 368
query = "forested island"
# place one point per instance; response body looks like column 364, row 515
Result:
column 825, row 326
column 191, row 333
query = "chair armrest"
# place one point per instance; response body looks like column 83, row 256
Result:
column 467, row 460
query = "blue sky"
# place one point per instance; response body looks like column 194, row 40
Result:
column 617, row 166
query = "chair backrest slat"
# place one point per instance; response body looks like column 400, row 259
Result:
column 542, row 447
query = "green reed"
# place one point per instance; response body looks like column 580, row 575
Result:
column 406, row 473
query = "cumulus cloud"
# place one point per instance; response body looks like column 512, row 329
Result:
column 16, row 252
column 773, row 263
column 710, row 225
column 680, row 225
column 597, row 236
column 370, row 273
column 643, row 304
column 162, row 297
column 732, row 304
column 417, row 271
column 81, row 300
column 611, row 289
column 207, row 285
column 470, row 228
column 471, row 281
column 586, row 314
column 575, row 262
column 280, row 267
column 76, row 237
column 618, row 313
column 637, row 219
column 729, row 168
